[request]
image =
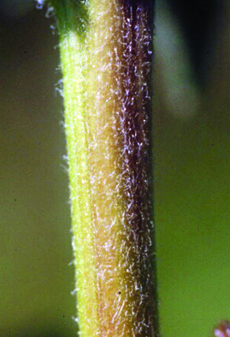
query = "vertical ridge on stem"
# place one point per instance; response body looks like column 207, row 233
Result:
column 107, row 66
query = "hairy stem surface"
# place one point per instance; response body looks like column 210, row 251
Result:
column 106, row 54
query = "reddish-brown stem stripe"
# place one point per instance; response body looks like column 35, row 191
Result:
column 109, row 129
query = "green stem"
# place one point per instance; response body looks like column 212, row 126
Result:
column 106, row 56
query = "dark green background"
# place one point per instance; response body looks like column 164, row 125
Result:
column 192, row 192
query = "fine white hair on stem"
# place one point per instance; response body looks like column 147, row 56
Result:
column 40, row 3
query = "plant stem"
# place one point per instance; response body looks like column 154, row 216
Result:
column 106, row 56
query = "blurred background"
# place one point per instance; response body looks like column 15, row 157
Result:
column 192, row 180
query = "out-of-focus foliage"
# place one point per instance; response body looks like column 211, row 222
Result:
column 16, row 8
column 36, row 278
